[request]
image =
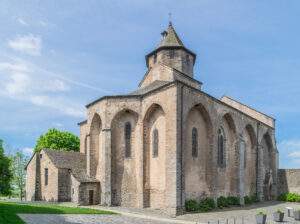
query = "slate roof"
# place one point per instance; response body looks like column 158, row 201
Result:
column 75, row 161
column 170, row 38
column 152, row 86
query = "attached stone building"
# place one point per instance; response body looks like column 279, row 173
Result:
column 169, row 141
column 60, row 176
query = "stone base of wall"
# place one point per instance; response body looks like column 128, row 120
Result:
column 289, row 181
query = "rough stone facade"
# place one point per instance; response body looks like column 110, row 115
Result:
column 289, row 181
column 170, row 101
column 64, row 180
column 168, row 141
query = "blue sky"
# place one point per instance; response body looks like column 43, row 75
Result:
column 57, row 56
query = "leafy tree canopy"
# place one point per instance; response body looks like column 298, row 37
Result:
column 57, row 140
column 5, row 172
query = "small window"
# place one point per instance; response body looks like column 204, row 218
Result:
column 155, row 142
column 245, row 155
column 221, row 148
column 172, row 54
column 127, row 133
column 46, row 176
column 194, row 142
column 41, row 156
column 154, row 58
column 72, row 190
column 187, row 59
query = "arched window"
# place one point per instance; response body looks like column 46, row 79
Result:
column 221, row 148
column 171, row 54
column 154, row 58
column 155, row 143
column 194, row 142
column 127, row 136
column 245, row 156
column 187, row 57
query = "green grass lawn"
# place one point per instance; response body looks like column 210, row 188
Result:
column 9, row 211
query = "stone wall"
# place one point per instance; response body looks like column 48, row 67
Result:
column 64, row 185
column 289, row 181
column 31, row 179
column 84, row 189
column 49, row 192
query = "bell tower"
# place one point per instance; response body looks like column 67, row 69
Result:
column 172, row 52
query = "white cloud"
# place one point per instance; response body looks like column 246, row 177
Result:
column 58, row 104
column 289, row 151
column 23, row 81
column 29, row 44
column 57, row 85
column 289, row 145
column 22, row 22
column 13, row 67
column 295, row 154
column 27, row 150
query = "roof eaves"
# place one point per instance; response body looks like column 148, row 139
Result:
column 110, row 97
column 82, row 122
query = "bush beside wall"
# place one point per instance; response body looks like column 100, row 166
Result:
column 209, row 204
column 289, row 197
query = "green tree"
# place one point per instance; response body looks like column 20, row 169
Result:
column 19, row 161
column 57, row 140
column 5, row 172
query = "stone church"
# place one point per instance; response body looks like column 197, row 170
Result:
column 162, row 144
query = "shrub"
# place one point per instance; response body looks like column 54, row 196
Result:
column 231, row 200
column 247, row 200
column 293, row 197
column 191, row 206
column 206, row 205
column 250, row 199
column 279, row 211
column 261, row 212
column 290, row 197
column 222, row 202
column 254, row 198
column 282, row 197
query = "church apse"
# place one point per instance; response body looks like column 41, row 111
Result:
column 154, row 157
column 197, row 161
column 123, row 159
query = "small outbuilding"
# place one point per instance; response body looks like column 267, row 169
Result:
column 60, row 176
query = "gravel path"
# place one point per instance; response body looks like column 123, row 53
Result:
column 245, row 215
column 87, row 219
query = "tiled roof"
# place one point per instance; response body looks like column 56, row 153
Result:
column 75, row 161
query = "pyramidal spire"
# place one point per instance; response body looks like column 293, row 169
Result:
column 170, row 38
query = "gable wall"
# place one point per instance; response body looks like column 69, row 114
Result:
column 31, row 175
column 48, row 192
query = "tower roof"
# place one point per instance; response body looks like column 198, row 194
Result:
column 170, row 38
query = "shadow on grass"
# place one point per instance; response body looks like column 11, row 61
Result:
column 9, row 211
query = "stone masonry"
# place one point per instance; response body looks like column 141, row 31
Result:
column 165, row 143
